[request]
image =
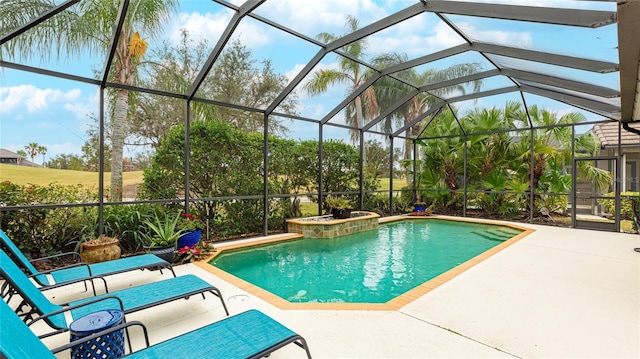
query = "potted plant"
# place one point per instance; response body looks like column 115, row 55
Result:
column 100, row 249
column 340, row 207
column 163, row 235
column 192, row 230
column 419, row 206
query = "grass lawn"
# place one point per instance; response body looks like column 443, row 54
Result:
column 397, row 184
column 44, row 176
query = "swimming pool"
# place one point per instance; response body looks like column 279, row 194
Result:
column 369, row 267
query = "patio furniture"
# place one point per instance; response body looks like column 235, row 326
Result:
column 108, row 345
column 81, row 271
column 38, row 307
column 251, row 334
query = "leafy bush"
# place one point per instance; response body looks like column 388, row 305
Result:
column 44, row 231
column 626, row 211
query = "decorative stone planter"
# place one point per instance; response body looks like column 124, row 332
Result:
column 101, row 249
column 190, row 238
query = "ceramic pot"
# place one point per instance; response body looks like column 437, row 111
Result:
column 100, row 250
column 339, row 213
column 190, row 238
column 164, row 252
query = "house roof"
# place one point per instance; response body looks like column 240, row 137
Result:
column 4, row 153
column 608, row 134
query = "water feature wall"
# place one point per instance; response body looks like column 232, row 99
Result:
column 328, row 227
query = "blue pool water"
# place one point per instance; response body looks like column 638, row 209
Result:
column 368, row 267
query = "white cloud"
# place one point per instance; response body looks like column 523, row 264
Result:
column 33, row 98
column 201, row 26
column 83, row 109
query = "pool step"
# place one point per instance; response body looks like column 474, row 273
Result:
column 494, row 234
column 508, row 230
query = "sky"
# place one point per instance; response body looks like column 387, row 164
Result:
column 56, row 113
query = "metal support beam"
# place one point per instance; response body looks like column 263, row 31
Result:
column 561, row 83
column 361, row 179
column 122, row 13
column 187, row 154
column 320, row 159
column 547, row 15
column 391, row 175
column 419, row 118
column 629, row 57
column 472, row 96
column 265, row 177
column 581, row 101
column 101, row 137
column 546, row 57
column 391, row 109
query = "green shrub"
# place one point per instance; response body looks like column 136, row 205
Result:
column 626, row 211
column 44, row 231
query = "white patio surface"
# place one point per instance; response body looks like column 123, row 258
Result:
column 558, row 293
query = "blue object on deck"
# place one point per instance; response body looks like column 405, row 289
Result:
column 110, row 345
column 251, row 334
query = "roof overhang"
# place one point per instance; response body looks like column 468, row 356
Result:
column 629, row 56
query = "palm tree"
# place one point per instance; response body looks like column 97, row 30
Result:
column 32, row 151
column 87, row 28
column 351, row 73
column 388, row 91
column 43, row 151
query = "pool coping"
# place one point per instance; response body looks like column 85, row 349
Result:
column 392, row 305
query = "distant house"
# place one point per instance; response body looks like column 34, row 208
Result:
column 13, row 158
column 607, row 134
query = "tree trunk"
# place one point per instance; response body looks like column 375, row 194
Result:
column 355, row 134
column 117, row 144
column 125, row 71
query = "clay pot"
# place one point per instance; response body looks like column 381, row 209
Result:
column 101, row 249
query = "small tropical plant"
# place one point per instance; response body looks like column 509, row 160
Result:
column 337, row 203
column 163, row 231
column 190, row 222
column 194, row 253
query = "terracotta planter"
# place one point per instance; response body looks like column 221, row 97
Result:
column 100, row 250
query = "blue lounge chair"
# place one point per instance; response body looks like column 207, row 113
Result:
column 35, row 306
column 250, row 334
column 81, row 271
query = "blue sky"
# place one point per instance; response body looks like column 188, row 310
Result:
column 56, row 113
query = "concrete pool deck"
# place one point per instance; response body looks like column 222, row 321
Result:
column 556, row 293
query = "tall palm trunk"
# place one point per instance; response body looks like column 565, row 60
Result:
column 355, row 133
column 117, row 143
column 125, row 72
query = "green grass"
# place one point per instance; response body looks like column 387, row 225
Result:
column 44, row 176
column 397, row 184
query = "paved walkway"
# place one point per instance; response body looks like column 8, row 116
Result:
column 558, row 293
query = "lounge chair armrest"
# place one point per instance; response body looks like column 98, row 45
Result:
column 102, row 333
column 72, row 307
column 48, row 271
column 74, row 281
column 74, row 254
